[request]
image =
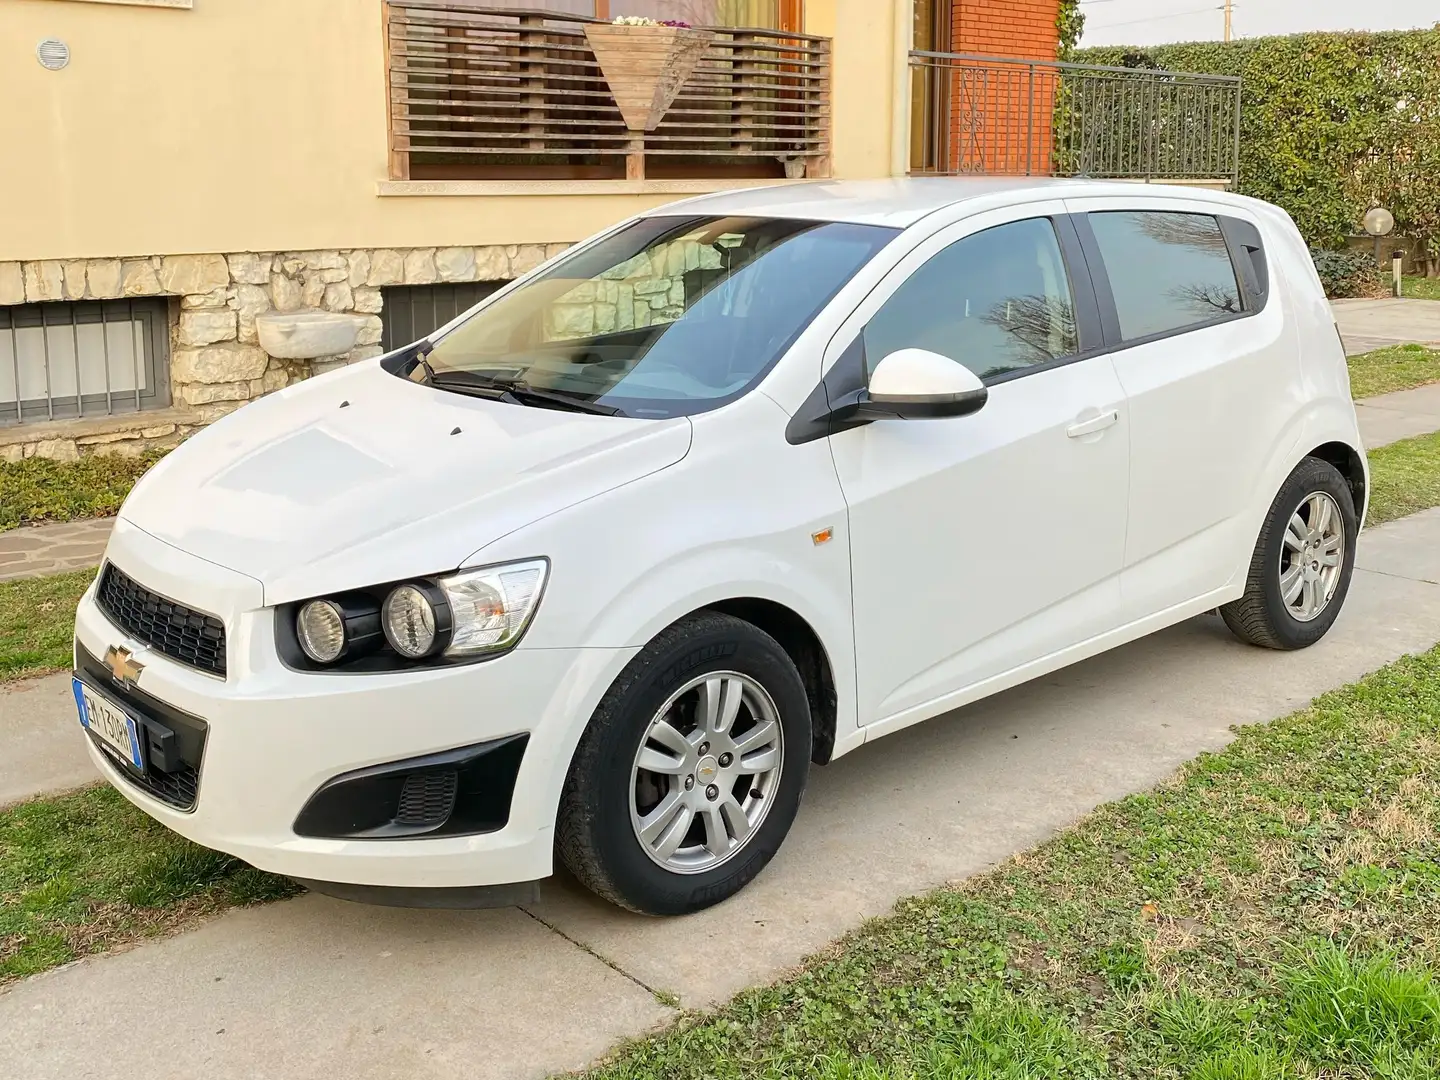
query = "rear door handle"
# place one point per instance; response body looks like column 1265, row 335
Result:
column 1094, row 424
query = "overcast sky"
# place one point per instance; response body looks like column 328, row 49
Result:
column 1151, row 22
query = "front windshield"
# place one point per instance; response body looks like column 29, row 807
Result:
column 667, row 317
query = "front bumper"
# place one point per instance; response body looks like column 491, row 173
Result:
column 276, row 736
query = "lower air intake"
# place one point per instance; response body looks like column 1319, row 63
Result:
column 427, row 798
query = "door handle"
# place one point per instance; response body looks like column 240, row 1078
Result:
column 1094, row 424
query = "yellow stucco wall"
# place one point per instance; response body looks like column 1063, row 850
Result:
column 259, row 125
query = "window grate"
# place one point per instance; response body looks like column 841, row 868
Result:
column 64, row 361
column 412, row 311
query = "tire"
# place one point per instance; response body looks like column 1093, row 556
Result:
column 1263, row 616
column 609, row 797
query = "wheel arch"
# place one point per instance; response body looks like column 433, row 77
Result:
column 806, row 651
column 1351, row 464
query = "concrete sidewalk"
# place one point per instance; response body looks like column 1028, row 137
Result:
column 1402, row 415
column 1366, row 325
column 39, row 752
column 317, row 988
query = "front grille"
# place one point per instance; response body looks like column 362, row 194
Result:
column 178, row 788
column 427, row 798
column 182, row 633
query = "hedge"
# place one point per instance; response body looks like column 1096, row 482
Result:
column 1314, row 109
column 1348, row 273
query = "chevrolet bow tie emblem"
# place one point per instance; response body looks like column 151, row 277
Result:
column 122, row 665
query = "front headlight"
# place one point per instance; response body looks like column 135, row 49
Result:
column 491, row 607
column 463, row 616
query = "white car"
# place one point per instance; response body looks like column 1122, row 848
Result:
column 598, row 570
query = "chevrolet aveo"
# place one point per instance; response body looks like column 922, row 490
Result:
column 597, row 571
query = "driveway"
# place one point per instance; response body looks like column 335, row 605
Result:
column 315, row 987
column 1366, row 325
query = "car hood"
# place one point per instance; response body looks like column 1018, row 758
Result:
column 360, row 478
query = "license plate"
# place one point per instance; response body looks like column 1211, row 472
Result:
column 113, row 726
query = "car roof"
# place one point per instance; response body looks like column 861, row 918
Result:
column 901, row 202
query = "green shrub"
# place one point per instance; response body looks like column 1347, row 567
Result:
column 38, row 489
column 1348, row 273
column 1316, row 110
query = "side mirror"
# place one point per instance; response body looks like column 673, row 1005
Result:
column 919, row 384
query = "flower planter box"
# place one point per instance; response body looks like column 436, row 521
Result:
column 646, row 66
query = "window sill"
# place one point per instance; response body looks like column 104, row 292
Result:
column 84, row 427
column 473, row 188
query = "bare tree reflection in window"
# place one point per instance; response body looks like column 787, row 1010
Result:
column 1207, row 300
column 1039, row 329
column 1197, row 231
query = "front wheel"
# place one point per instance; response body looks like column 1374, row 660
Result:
column 1303, row 562
column 691, row 770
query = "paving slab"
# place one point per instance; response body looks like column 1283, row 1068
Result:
column 1366, row 325
column 318, row 988
column 1404, row 414
column 40, row 745
column 314, row 986
column 37, row 550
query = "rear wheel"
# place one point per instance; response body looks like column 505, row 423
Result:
column 691, row 770
column 1303, row 562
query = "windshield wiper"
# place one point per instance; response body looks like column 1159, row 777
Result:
column 556, row 400
column 422, row 368
column 517, row 393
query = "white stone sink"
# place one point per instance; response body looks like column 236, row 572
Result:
column 307, row 335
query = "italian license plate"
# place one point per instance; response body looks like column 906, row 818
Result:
column 113, row 726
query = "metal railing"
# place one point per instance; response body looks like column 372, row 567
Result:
column 496, row 93
column 985, row 114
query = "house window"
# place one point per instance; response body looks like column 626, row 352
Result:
column 63, row 361
column 413, row 311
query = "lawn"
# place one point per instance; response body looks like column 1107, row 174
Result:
column 87, row 872
column 39, row 490
column 1421, row 288
column 1400, row 367
column 1273, row 913
column 1404, row 478
column 37, row 621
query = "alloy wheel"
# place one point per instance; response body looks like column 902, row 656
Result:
column 1312, row 557
column 706, row 772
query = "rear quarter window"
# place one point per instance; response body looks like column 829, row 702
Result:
column 1168, row 271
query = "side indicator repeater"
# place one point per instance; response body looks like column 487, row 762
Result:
column 824, row 536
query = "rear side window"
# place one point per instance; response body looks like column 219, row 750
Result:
column 1167, row 271
column 997, row 302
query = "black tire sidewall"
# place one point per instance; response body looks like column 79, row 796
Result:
column 725, row 645
column 1311, row 476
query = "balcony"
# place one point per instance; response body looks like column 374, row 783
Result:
column 980, row 114
column 489, row 93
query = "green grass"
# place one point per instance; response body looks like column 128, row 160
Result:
column 37, row 621
column 1404, row 478
column 1272, row 913
column 38, row 490
column 1400, row 367
column 87, row 872
column 1421, row 288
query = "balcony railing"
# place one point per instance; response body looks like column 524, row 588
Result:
column 491, row 93
column 980, row 114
